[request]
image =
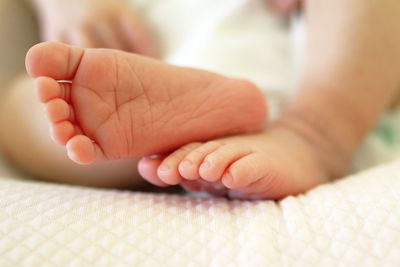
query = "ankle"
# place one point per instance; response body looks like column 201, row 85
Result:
column 333, row 155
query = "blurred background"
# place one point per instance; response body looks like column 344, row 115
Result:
column 18, row 31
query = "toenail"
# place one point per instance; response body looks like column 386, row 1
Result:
column 187, row 163
column 205, row 165
column 164, row 168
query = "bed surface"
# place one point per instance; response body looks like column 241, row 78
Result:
column 354, row 222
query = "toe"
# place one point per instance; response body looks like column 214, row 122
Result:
column 82, row 150
column 215, row 163
column 55, row 60
column 58, row 110
column 248, row 170
column 168, row 170
column 256, row 176
column 189, row 167
column 61, row 132
column 48, row 89
column 147, row 168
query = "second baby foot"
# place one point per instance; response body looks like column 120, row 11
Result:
column 107, row 104
column 285, row 159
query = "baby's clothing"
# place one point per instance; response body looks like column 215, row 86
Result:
column 242, row 38
column 238, row 38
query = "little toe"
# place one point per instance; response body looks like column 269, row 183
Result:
column 147, row 168
column 82, row 150
column 58, row 110
column 189, row 167
column 61, row 132
column 215, row 163
column 168, row 170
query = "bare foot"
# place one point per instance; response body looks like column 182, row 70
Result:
column 286, row 159
column 121, row 105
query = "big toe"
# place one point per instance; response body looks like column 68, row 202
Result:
column 84, row 151
column 55, row 60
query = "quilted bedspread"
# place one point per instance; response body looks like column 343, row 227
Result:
column 353, row 222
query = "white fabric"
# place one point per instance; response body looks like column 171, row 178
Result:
column 17, row 34
column 355, row 222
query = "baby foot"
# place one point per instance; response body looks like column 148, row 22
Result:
column 270, row 165
column 121, row 105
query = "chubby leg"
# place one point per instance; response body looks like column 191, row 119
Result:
column 25, row 142
column 120, row 105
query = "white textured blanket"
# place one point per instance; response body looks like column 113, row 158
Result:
column 355, row 222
